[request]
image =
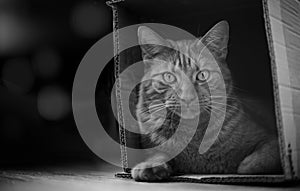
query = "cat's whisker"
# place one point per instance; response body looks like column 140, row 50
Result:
column 176, row 104
column 153, row 112
column 230, row 107
column 153, row 106
column 227, row 105
column 216, row 109
column 234, row 87
column 154, row 100
column 157, row 105
column 224, row 99
column 216, row 114
column 146, row 109
column 205, row 109
column 222, row 96
column 172, row 103
column 212, row 111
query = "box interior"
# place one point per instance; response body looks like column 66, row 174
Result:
column 248, row 55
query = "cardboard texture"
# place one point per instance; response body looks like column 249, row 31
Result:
column 283, row 18
column 282, row 28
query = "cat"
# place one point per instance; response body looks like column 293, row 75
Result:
column 243, row 146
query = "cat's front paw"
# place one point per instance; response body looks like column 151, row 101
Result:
column 151, row 171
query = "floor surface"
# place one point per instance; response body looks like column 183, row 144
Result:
column 94, row 180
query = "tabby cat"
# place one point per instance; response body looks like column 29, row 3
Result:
column 178, row 83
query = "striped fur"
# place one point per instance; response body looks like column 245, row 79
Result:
column 240, row 138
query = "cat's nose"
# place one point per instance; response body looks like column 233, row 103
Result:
column 188, row 101
column 188, row 94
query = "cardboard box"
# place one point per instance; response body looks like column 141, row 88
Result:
column 276, row 22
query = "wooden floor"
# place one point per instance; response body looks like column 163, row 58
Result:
column 81, row 179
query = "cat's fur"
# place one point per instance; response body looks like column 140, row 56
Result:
column 244, row 145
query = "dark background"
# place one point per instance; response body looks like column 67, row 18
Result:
column 41, row 45
column 43, row 42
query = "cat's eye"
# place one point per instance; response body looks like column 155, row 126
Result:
column 203, row 76
column 168, row 77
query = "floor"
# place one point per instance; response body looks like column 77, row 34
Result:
column 50, row 179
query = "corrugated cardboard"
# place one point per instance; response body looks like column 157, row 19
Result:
column 282, row 23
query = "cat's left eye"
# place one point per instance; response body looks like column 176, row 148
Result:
column 169, row 78
column 203, row 76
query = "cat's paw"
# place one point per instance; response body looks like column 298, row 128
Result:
column 151, row 171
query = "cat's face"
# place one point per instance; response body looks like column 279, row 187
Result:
column 179, row 78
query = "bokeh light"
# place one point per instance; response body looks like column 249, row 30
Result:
column 53, row 103
column 16, row 33
column 17, row 75
column 9, row 32
column 90, row 20
column 47, row 63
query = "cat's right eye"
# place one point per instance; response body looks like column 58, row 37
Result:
column 168, row 77
column 203, row 76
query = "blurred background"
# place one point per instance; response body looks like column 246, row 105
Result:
column 41, row 46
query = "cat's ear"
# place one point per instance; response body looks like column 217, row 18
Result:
column 150, row 42
column 216, row 39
